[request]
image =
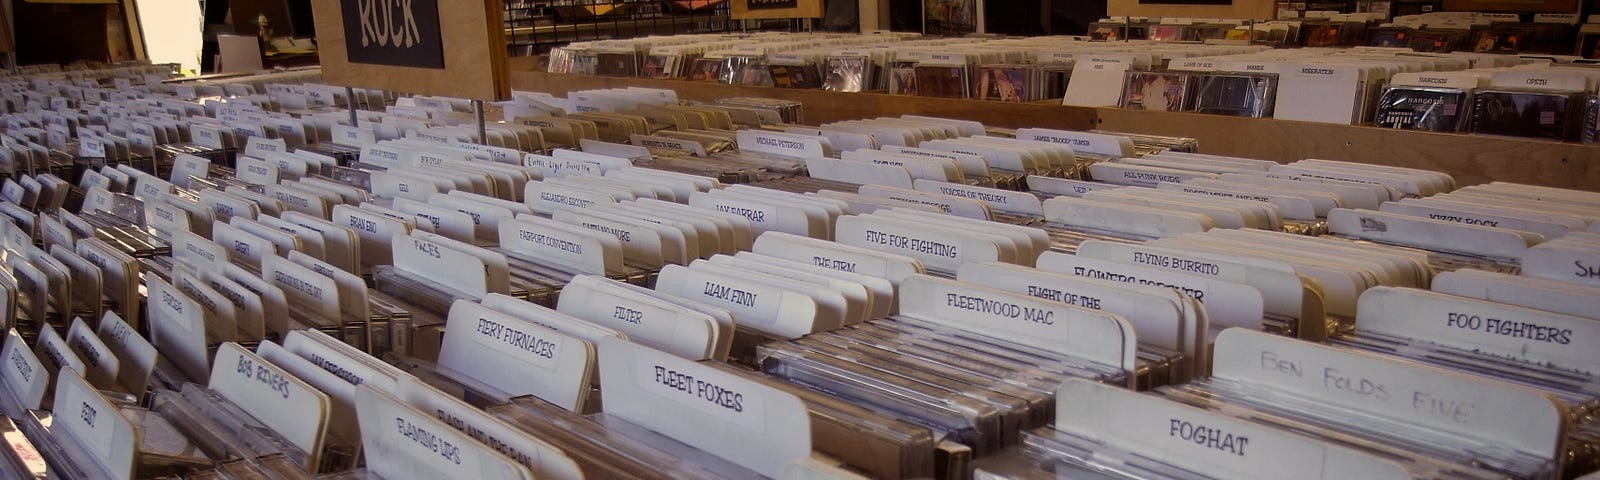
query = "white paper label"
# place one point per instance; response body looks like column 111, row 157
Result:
column 739, row 420
column 273, row 396
column 514, row 356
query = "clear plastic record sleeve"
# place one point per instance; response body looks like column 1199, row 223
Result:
column 1422, row 108
column 1554, row 115
column 1236, row 94
column 1157, row 90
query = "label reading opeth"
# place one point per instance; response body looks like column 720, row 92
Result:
column 402, row 33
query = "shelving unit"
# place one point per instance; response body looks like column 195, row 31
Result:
column 535, row 26
column 1470, row 159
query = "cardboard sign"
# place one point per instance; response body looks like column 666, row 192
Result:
column 417, row 46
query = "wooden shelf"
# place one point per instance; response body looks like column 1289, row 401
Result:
column 1470, row 159
column 824, row 106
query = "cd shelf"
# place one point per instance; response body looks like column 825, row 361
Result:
column 1471, row 159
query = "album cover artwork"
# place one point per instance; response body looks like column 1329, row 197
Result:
column 793, row 76
column 617, row 64
column 846, row 74
column 950, row 18
column 706, row 69
column 1421, row 108
column 903, row 81
column 1004, row 83
column 660, row 66
column 942, row 81
column 1165, row 91
column 1526, row 113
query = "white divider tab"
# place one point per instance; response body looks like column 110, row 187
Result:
column 1484, row 410
column 690, row 147
column 763, row 217
column 631, row 153
column 639, row 244
column 1227, row 304
column 961, row 207
column 138, row 356
column 256, row 145
column 56, row 355
column 25, row 377
column 306, row 288
column 401, row 441
column 1079, row 332
column 342, row 363
column 178, row 329
column 442, row 264
column 1101, row 144
column 97, row 425
column 197, row 251
column 1117, row 217
column 936, row 248
column 835, row 256
column 780, row 144
column 1157, row 323
column 1280, row 286
column 1578, row 265
column 603, row 163
column 780, row 312
column 517, row 357
column 643, row 319
column 1428, row 234
column 375, row 231
column 547, row 198
column 1497, row 329
column 1206, row 442
column 1140, row 175
column 1060, row 186
column 861, row 173
column 185, row 166
column 577, row 248
column 277, row 398
column 1010, row 201
column 742, row 421
column 541, row 459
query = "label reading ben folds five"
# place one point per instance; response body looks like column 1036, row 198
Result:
column 401, row 33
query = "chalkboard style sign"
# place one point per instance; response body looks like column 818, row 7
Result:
column 763, row 9
column 453, row 48
column 402, row 34
column 772, row 4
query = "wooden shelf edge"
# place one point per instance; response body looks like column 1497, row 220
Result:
column 1470, row 159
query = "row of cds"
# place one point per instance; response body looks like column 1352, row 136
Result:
column 618, row 284
column 1486, row 94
